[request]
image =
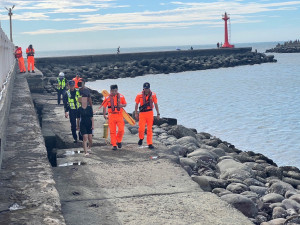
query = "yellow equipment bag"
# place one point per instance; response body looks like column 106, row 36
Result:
column 105, row 129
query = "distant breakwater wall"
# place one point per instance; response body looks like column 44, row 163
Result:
column 113, row 66
column 285, row 49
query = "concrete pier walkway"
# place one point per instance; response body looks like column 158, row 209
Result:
column 125, row 186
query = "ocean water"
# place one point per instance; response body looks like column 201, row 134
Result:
column 254, row 107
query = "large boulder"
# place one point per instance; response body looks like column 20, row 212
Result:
column 261, row 191
column 242, row 203
column 207, row 183
column 180, row 131
column 272, row 198
column 188, row 142
column 280, row 187
column 230, row 168
column 237, row 188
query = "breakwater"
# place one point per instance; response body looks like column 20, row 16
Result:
column 113, row 66
column 286, row 47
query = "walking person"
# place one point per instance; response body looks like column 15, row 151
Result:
column 76, row 80
column 61, row 86
column 30, row 58
column 19, row 56
column 84, row 91
column 71, row 105
column 85, row 123
column 146, row 99
column 115, row 103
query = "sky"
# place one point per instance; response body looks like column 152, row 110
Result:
column 51, row 25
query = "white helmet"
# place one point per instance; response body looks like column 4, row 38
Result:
column 61, row 74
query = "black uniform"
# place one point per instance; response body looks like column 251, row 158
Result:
column 72, row 112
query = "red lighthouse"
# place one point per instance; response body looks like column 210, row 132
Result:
column 226, row 43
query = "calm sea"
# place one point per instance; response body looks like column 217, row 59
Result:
column 255, row 107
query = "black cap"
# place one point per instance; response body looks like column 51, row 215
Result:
column 146, row 85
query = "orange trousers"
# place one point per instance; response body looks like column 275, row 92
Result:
column 115, row 120
column 146, row 118
column 21, row 64
column 30, row 62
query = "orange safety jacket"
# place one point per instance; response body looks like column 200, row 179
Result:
column 30, row 52
column 149, row 100
column 18, row 52
column 116, row 100
column 76, row 80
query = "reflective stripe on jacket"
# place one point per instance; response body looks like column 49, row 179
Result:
column 71, row 101
column 61, row 83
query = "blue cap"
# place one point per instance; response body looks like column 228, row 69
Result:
column 72, row 83
column 146, row 85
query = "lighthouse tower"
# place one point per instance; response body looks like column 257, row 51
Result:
column 226, row 43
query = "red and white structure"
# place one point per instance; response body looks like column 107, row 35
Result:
column 226, row 42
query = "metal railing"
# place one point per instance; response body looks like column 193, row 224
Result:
column 7, row 60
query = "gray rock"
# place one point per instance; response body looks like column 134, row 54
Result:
column 187, row 142
column 219, row 152
column 272, row 198
column 225, row 148
column 158, row 130
column 252, row 181
column 134, row 130
column 179, row 150
column 291, row 212
column 180, row 131
column 273, row 171
column 172, row 139
column 279, row 212
column 261, row 191
column 279, row 221
column 289, row 203
column 207, row 183
column 251, row 195
column 220, row 191
column 187, row 162
column 231, row 169
column 291, row 181
column 242, row 203
column 260, row 219
column 288, row 194
column 213, row 142
column 280, row 187
column 295, row 197
column 277, row 204
column 292, row 174
column 237, row 188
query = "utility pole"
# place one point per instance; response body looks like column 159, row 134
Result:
column 10, row 22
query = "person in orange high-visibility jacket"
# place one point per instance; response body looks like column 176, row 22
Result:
column 30, row 58
column 146, row 99
column 115, row 103
column 19, row 56
column 77, row 79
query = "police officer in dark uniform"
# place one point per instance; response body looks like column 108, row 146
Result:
column 71, row 104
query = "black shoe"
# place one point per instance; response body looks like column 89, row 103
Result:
column 114, row 148
column 119, row 144
column 140, row 142
column 33, row 71
column 75, row 141
column 151, row 146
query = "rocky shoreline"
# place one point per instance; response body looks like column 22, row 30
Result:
column 286, row 47
column 249, row 181
column 134, row 68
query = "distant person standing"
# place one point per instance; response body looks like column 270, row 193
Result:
column 30, row 58
column 218, row 45
column 19, row 56
column 146, row 99
column 192, row 48
column 61, row 86
column 71, row 105
column 118, row 50
column 85, row 123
